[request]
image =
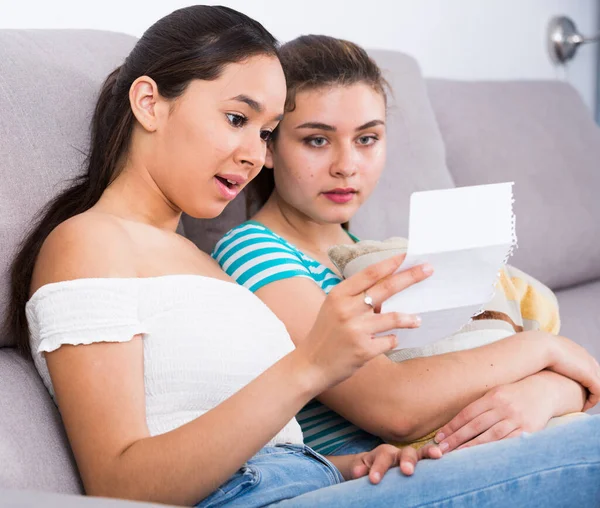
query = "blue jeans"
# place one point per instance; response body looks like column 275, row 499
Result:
column 557, row 467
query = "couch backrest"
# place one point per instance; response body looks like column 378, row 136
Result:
column 49, row 81
column 541, row 136
column 415, row 155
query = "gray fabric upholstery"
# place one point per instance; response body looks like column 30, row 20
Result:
column 541, row 136
column 33, row 448
column 580, row 316
column 28, row 498
column 416, row 158
column 48, row 81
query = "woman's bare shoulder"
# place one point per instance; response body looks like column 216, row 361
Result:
column 89, row 245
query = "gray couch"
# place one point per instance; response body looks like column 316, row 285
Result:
column 442, row 134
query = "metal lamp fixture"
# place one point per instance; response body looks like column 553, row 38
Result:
column 564, row 39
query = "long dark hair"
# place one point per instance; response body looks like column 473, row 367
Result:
column 195, row 42
column 310, row 62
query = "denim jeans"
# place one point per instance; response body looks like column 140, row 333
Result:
column 557, row 467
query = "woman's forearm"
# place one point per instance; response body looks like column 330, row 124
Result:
column 405, row 401
column 451, row 382
column 567, row 396
column 185, row 465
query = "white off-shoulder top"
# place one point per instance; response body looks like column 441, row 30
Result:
column 203, row 338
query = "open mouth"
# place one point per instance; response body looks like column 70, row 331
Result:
column 228, row 187
column 227, row 183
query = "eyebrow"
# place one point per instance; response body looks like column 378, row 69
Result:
column 254, row 105
column 370, row 124
column 331, row 128
column 316, row 125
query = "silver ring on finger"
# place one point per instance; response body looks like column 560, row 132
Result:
column 369, row 300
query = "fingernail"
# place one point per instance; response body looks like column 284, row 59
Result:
column 376, row 477
column 444, row 446
column 427, row 269
column 417, row 320
column 439, row 437
column 409, row 468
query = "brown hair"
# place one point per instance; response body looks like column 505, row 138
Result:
column 315, row 61
column 195, row 42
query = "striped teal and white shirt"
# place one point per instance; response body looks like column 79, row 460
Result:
column 254, row 256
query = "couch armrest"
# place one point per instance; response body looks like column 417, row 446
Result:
column 28, row 498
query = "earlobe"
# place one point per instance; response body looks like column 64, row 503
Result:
column 269, row 156
column 143, row 98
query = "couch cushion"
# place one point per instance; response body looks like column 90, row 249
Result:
column 541, row 136
column 416, row 161
column 33, row 448
column 580, row 318
column 49, row 81
column 29, row 498
column 415, row 151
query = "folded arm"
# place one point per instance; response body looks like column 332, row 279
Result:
column 405, row 401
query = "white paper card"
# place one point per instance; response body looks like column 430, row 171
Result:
column 466, row 234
